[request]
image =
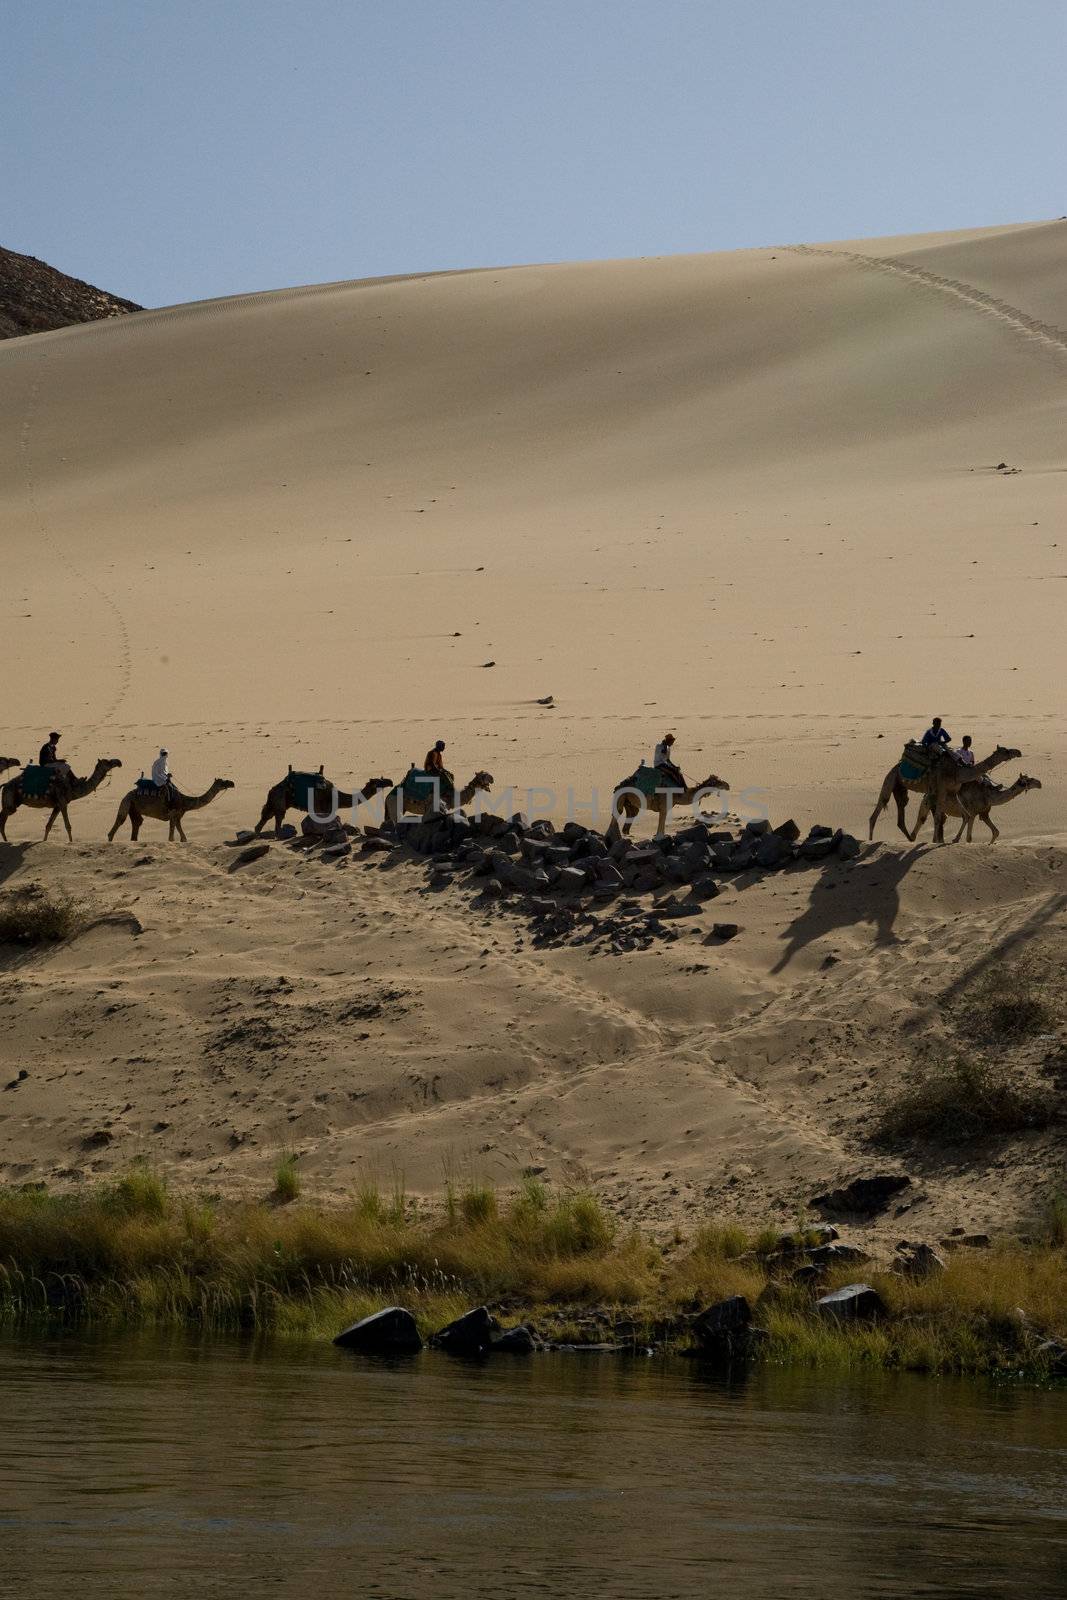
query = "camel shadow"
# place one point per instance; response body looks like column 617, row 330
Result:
column 11, row 858
column 866, row 891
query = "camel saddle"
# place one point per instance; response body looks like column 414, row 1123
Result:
column 36, row 781
column 422, row 785
column 304, row 786
column 918, row 759
column 646, row 780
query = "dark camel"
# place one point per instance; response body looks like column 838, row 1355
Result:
column 62, row 790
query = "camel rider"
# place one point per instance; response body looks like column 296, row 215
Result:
column 161, row 773
column 936, row 737
column 965, row 755
column 49, row 756
column 434, row 764
column 663, row 760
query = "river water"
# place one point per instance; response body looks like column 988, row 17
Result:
column 140, row 1466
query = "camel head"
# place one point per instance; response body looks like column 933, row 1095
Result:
column 482, row 780
column 1004, row 753
column 376, row 785
column 222, row 783
column 9, row 761
column 1023, row 783
column 715, row 783
column 106, row 764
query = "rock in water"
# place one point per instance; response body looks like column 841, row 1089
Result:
column 470, row 1335
column 724, row 1330
column 856, row 1302
column 514, row 1342
column 388, row 1332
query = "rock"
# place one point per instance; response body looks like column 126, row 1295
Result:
column 787, row 831
column 678, row 908
column 243, row 835
column 820, row 832
column 723, row 930
column 469, row 1335
column 976, row 1241
column 1053, row 1353
column 608, row 872
column 830, row 1255
column 848, row 846
column 704, row 887
column 571, row 879
column 816, row 849
column 376, row 843
column 333, row 852
column 757, row 827
column 253, row 853
column 514, row 1342
column 773, row 852
column 864, row 1196
column 573, row 831
column 856, row 1302
column 918, row 1260
column 388, row 1332
column 724, row 1318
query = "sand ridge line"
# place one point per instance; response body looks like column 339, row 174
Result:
column 1030, row 327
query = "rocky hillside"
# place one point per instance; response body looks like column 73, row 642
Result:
column 35, row 297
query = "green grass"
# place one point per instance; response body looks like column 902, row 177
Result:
column 133, row 1253
column 286, row 1181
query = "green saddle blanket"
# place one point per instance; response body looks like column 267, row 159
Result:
column 35, row 781
column 421, row 785
column 646, row 780
column 304, row 785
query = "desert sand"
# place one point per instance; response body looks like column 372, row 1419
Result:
column 787, row 502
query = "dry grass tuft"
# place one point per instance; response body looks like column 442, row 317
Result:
column 32, row 916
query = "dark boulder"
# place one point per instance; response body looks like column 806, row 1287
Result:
column 833, row 1255
column 787, row 831
column 514, row 1342
column 856, row 1302
column 724, row 1332
column 389, row 1332
column 470, row 1335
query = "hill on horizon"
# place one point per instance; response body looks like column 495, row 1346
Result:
column 35, row 298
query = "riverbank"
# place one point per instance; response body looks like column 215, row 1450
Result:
column 135, row 1254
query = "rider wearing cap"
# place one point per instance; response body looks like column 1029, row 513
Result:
column 663, row 760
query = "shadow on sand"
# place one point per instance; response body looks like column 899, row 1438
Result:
column 867, row 891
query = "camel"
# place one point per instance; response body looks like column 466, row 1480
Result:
column 894, row 787
column 626, row 801
column 7, row 762
column 400, row 800
column 976, row 800
column 169, row 806
column 62, row 789
column 318, row 798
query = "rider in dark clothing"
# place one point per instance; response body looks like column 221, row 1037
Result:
column 48, row 756
column 936, row 735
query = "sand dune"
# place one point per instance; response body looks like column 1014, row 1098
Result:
column 754, row 497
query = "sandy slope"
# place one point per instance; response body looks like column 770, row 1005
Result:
column 750, row 496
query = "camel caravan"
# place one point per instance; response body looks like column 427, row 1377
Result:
column 951, row 783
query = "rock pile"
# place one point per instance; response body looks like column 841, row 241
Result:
column 561, row 878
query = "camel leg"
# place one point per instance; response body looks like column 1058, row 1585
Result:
column 924, row 812
column 181, row 830
column 120, row 817
column 52, row 818
column 66, row 824
column 885, row 794
column 966, row 823
column 994, row 830
column 135, row 824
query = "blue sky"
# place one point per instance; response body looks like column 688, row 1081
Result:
column 175, row 149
